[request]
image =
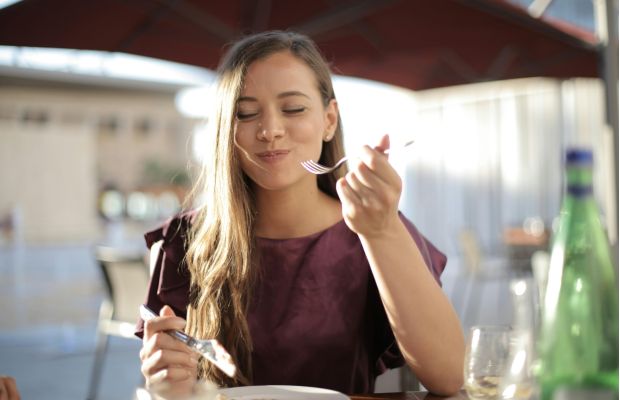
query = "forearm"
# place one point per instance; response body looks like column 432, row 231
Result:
column 424, row 323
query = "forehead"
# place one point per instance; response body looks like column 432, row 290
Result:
column 279, row 72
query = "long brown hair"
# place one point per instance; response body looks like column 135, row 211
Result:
column 221, row 254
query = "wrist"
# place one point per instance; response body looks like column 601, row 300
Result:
column 391, row 230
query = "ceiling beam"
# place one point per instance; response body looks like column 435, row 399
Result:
column 340, row 16
column 202, row 19
column 143, row 27
column 513, row 13
column 365, row 31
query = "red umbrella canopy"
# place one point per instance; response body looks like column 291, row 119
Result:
column 417, row 44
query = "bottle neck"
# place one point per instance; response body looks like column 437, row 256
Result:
column 579, row 180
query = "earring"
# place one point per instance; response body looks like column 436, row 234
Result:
column 328, row 137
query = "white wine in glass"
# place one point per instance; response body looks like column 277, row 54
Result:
column 486, row 359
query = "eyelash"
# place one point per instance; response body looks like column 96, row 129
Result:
column 244, row 117
column 294, row 110
column 290, row 111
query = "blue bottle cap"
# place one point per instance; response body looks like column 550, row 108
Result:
column 579, row 156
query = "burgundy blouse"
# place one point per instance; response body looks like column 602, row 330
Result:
column 316, row 318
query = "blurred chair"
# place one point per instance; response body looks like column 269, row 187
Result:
column 125, row 276
column 478, row 271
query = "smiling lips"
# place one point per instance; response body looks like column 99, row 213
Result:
column 273, row 156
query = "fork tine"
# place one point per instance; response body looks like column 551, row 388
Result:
column 321, row 168
column 318, row 169
column 314, row 167
column 310, row 167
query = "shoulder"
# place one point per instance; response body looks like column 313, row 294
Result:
column 171, row 238
column 172, row 230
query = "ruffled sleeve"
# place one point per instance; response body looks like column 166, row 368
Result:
column 435, row 260
column 170, row 280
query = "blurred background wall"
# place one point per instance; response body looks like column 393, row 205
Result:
column 64, row 145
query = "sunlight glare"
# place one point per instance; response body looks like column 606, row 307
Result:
column 7, row 3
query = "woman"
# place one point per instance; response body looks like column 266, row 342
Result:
column 306, row 280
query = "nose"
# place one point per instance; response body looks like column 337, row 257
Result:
column 270, row 127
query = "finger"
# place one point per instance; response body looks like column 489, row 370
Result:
column 8, row 388
column 166, row 321
column 172, row 374
column 11, row 389
column 164, row 359
column 167, row 311
column 365, row 194
column 347, row 196
column 384, row 143
column 367, row 178
column 377, row 162
column 355, row 184
column 163, row 341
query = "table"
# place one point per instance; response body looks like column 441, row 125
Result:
column 408, row 396
column 521, row 245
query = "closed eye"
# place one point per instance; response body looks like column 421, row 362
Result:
column 295, row 110
column 245, row 116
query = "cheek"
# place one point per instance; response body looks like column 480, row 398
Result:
column 243, row 136
column 310, row 131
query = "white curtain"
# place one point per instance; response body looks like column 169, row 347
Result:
column 489, row 155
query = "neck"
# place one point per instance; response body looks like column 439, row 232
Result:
column 292, row 213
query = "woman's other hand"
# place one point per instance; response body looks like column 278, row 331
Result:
column 370, row 192
column 8, row 388
column 166, row 360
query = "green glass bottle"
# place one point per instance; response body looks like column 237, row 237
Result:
column 578, row 341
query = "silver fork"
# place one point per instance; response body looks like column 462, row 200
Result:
column 210, row 349
column 318, row 169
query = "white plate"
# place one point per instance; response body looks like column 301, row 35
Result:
column 277, row 392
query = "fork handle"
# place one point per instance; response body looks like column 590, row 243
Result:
column 399, row 146
column 148, row 314
column 182, row 336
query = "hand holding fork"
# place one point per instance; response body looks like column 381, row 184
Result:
column 370, row 192
column 318, row 169
column 210, row 349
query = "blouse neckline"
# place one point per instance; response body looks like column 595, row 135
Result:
column 311, row 236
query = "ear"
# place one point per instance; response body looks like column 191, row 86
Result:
column 331, row 120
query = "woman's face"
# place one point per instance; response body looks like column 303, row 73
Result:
column 280, row 121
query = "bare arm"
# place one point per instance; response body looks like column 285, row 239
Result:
column 422, row 318
column 424, row 323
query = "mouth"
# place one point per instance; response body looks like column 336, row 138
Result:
column 273, row 155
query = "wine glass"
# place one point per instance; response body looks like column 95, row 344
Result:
column 518, row 382
column 486, row 361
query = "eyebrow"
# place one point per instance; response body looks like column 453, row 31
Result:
column 280, row 96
